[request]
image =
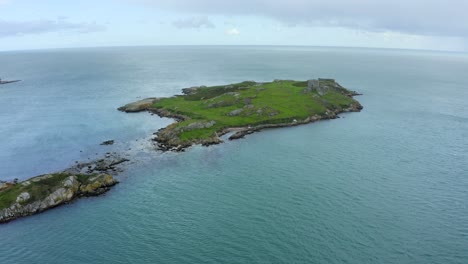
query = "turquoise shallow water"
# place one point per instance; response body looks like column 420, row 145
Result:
column 387, row 185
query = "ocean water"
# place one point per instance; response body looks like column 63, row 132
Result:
column 386, row 185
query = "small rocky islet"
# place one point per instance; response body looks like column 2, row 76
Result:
column 40, row 193
column 19, row 199
column 203, row 114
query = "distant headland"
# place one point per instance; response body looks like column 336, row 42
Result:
column 5, row 82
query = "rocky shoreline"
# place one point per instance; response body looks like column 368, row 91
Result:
column 40, row 193
column 167, row 141
column 242, row 132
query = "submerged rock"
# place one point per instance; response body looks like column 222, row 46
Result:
column 108, row 142
column 109, row 164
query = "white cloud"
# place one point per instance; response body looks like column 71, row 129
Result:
column 232, row 32
column 18, row 28
column 194, row 22
column 420, row 17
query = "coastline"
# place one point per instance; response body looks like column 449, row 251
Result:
column 40, row 193
column 239, row 132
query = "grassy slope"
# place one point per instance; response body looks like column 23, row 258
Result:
column 270, row 103
column 37, row 190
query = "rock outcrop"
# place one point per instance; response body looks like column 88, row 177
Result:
column 138, row 106
column 107, row 165
column 324, row 86
column 168, row 138
column 4, row 184
column 48, row 191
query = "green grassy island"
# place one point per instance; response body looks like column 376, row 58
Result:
column 204, row 114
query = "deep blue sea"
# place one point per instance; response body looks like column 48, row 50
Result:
column 386, row 185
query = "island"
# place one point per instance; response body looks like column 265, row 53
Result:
column 204, row 114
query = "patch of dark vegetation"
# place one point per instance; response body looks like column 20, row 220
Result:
column 300, row 84
column 202, row 92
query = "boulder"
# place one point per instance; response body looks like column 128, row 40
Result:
column 199, row 125
column 98, row 185
column 235, row 112
column 23, row 197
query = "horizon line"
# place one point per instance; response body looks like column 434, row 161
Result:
column 229, row 45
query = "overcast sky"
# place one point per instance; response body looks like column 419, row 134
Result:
column 410, row 24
